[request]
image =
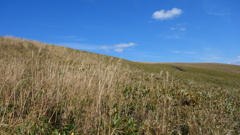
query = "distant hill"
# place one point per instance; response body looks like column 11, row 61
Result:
column 48, row 89
column 219, row 74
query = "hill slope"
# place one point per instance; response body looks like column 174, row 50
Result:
column 223, row 75
column 47, row 89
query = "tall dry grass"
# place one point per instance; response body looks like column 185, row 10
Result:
column 47, row 89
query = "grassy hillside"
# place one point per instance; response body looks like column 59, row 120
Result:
column 223, row 75
column 47, row 89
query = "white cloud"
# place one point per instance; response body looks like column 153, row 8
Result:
column 179, row 29
column 217, row 14
column 105, row 47
column 164, row 15
column 182, row 29
column 186, row 52
column 118, row 49
column 236, row 61
column 122, row 45
column 174, row 36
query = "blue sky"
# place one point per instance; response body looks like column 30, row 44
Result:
column 137, row 30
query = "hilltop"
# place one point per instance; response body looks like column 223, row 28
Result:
column 48, row 89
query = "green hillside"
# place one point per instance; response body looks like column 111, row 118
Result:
column 48, row 89
column 223, row 75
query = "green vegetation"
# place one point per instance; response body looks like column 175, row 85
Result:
column 47, row 89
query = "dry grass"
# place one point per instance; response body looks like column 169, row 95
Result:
column 47, row 89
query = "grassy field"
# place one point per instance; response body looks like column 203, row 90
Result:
column 47, row 89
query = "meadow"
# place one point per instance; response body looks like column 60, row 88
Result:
column 48, row 89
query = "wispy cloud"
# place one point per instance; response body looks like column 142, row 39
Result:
column 105, row 47
column 236, row 61
column 216, row 8
column 217, row 13
column 174, row 36
column 190, row 52
column 176, row 52
column 123, row 45
column 211, row 58
column 164, row 15
column 69, row 37
column 118, row 47
column 178, row 29
column 182, row 29
column 186, row 52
